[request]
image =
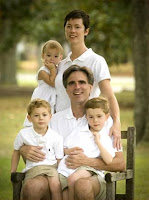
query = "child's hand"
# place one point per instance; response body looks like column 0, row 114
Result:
column 49, row 65
column 96, row 136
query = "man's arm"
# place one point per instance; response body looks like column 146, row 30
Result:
column 32, row 153
column 106, row 90
column 118, row 163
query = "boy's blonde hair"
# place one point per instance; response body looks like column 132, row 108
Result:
column 37, row 103
column 98, row 102
column 52, row 44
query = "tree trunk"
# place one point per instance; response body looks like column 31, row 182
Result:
column 8, row 67
column 141, row 67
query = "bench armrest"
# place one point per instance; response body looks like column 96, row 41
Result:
column 117, row 176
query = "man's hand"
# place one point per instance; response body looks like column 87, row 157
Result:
column 32, row 153
column 73, row 151
column 75, row 160
column 115, row 130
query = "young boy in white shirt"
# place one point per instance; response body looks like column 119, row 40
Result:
column 39, row 113
column 93, row 139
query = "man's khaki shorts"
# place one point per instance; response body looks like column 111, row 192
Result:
column 101, row 195
column 41, row 170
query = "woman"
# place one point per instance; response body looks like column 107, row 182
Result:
column 76, row 26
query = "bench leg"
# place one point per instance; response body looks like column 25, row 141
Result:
column 110, row 191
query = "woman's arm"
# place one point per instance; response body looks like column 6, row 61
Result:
column 106, row 90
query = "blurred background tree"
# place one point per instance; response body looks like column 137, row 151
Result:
column 42, row 20
column 141, row 65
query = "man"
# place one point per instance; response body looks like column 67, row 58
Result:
column 78, row 82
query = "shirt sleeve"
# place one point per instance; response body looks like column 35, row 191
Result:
column 18, row 141
column 58, row 147
column 100, row 69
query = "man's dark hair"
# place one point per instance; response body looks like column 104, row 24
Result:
column 78, row 14
column 76, row 68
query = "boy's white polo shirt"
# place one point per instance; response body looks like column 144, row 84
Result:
column 51, row 142
column 90, row 59
column 83, row 138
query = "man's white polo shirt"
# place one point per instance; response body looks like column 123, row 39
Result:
column 64, row 122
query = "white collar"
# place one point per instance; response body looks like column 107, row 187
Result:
column 70, row 115
column 35, row 134
column 81, row 58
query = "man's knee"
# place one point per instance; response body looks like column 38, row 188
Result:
column 83, row 189
column 32, row 187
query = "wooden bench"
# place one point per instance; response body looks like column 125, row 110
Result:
column 111, row 178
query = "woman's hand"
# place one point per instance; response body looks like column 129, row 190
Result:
column 116, row 132
column 32, row 153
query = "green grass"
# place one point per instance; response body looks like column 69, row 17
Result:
column 13, row 110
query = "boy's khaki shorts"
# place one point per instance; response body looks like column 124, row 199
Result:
column 41, row 170
column 101, row 195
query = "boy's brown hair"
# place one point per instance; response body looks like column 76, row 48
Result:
column 98, row 102
column 37, row 103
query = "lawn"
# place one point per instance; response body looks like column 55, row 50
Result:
column 13, row 110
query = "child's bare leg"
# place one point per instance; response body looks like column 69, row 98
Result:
column 65, row 194
column 55, row 188
column 81, row 173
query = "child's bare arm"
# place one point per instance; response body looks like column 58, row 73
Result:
column 106, row 156
column 15, row 160
column 48, row 78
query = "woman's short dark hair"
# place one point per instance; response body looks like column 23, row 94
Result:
column 78, row 14
column 76, row 68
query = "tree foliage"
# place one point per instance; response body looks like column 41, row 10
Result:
column 40, row 20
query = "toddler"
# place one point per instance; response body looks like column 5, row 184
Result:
column 52, row 54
